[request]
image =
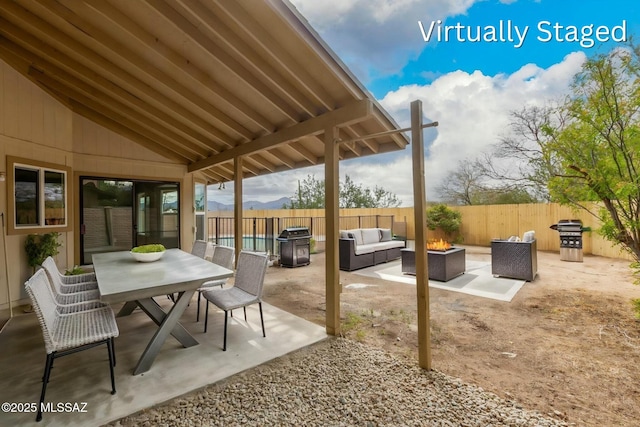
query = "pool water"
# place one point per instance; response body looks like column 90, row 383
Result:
column 248, row 243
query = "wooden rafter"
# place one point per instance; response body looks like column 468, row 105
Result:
column 143, row 68
column 352, row 113
column 226, row 61
column 114, row 80
column 162, row 50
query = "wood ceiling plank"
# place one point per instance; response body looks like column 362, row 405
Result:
column 186, row 65
column 258, row 35
column 127, row 132
column 251, row 170
column 230, row 64
column 261, row 160
column 280, row 155
column 116, row 81
column 331, row 62
column 137, row 124
column 345, row 116
column 213, row 18
column 157, row 120
column 300, row 149
column 75, row 11
column 257, row 164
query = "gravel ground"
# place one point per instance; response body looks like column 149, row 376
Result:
column 339, row 382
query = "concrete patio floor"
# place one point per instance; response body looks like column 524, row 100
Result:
column 84, row 377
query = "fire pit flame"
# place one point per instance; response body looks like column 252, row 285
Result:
column 438, row 245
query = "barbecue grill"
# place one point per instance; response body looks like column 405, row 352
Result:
column 295, row 247
column 570, row 231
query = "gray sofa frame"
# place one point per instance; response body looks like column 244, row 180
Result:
column 517, row 260
column 349, row 261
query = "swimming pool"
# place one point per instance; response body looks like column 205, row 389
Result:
column 258, row 243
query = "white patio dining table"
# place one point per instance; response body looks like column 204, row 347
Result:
column 122, row 279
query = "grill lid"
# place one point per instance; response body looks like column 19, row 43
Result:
column 568, row 225
column 294, row 233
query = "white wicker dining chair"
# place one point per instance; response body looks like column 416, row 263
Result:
column 68, row 333
column 223, row 256
column 247, row 290
column 69, row 293
column 75, row 282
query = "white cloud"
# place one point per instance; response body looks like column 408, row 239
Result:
column 376, row 37
column 472, row 111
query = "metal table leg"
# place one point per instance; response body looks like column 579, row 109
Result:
column 168, row 323
column 127, row 309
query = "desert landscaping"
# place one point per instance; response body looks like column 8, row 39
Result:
column 567, row 345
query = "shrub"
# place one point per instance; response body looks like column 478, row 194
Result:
column 442, row 217
column 41, row 246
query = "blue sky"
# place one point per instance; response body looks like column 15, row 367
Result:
column 543, row 45
column 469, row 87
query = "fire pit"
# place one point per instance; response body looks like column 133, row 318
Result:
column 438, row 245
column 443, row 264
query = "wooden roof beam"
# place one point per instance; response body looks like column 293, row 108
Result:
column 258, row 164
column 259, row 36
column 253, row 60
column 127, row 132
column 67, row 10
column 260, row 160
column 65, row 45
column 344, row 116
column 231, row 65
column 300, row 149
column 203, row 79
column 123, row 115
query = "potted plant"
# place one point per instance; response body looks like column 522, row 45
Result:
column 41, row 246
column 148, row 253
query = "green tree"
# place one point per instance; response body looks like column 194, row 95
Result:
column 310, row 195
column 599, row 148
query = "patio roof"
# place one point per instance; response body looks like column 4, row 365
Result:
column 200, row 82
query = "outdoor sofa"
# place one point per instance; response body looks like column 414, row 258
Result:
column 364, row 247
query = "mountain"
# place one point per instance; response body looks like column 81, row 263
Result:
column 250, row 205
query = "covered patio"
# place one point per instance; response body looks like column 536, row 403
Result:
column 189, row 93
column 83, row 378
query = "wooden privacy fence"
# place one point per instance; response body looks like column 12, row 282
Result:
column 480, row 224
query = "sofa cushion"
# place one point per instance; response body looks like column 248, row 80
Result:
column 356, row 234
column 365, row 249
column 385, row 235
column 344, row 234
column 389, row 245
column 370, row 235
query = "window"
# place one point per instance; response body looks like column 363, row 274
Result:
column 38, row 193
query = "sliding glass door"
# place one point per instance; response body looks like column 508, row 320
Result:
column 118, row 214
